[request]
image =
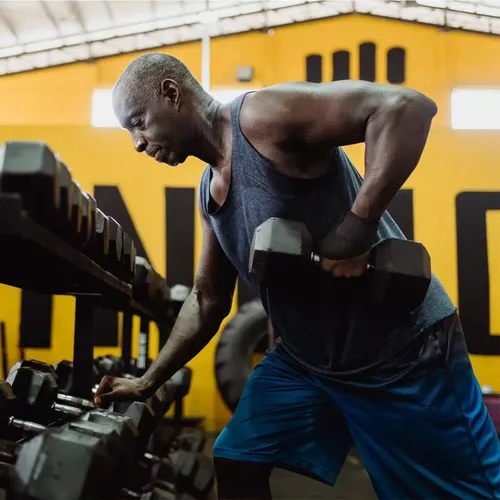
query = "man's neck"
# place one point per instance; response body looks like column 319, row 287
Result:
column 211, row 138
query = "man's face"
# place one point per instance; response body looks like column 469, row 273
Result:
column 157, row 125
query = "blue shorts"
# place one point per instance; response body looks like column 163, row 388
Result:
column 423, row 433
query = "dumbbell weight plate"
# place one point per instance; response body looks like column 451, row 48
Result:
column 114, row 263
column 76, row 214
column 65, row 464
column 400, row 274
column 129, row 255
column 276, row 246
column 32, row 170
column 100, row 251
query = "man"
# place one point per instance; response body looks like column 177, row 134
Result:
column 399, row 387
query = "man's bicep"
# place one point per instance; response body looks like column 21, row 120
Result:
column 216, row 275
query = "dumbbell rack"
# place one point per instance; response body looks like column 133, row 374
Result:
column 33, row 258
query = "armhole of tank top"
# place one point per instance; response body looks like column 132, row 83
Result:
column 204, row 192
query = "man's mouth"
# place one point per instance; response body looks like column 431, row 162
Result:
column 158, row 155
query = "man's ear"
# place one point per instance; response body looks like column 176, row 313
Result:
column 172, row 91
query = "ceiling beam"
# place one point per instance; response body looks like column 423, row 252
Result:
column 77, row 12
column 9, row 24
column 51, row 17
column 109, row 12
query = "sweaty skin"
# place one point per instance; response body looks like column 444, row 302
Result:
column 295, row 127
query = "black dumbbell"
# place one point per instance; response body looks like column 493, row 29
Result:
column 9, row 410
column 399, row 270
column 162, row 299
column 114, row 262
column 129, row 254
column 145, row 282
column 99, row 251
column 178, row 295
column 37, row 392
column 89, row 214
column 194, row 472
column 190, row 439
column 71, row 463
column 31, row 169
column 78, row 237
column 146, row 415
column 64, row 376
column 53, row 375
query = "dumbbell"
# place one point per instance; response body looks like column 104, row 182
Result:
column 129, row 255
column 89, row 214
column 178, row 295
column 194, row 472
column 64, row 375
column 190, row 439
column 9, row 409
column 82, row 460
column 145, row 282
column 161, row 299
column 44, row 182
column 98, row 249
column 51, row 371
column 399, row 270
column 37, row 392
column 114, row 263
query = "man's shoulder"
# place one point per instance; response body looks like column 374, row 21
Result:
column 265, row 112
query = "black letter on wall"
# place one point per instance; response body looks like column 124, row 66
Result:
column 473, row 275
column 180, row 212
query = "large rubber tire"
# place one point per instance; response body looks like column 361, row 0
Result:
column 243, row 335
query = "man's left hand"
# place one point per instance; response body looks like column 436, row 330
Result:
column 349, row 268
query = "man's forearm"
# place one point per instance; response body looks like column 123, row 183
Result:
column 197, row 323
column 394, row 141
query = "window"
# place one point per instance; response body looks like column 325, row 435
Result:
column 475, row 109
column 102, row 110
column 104, row 116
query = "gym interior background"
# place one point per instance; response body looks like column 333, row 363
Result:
column 451, row 203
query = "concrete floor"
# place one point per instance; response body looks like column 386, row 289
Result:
column 353, row 483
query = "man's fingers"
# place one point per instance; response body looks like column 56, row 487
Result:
column 105, row 386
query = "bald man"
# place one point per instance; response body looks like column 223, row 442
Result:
column 399, row 387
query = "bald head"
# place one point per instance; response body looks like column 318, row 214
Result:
column 158, row 100
column 144, row 75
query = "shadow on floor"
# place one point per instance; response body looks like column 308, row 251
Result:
column 353, row 483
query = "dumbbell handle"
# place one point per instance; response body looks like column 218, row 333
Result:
column 27, row 426
column 72, row 400
column 316, row 258
column 68, row 410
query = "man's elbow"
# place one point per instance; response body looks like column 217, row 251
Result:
column 215, row 305
column 415, row 104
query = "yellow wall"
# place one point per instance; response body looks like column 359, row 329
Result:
column 54, row 105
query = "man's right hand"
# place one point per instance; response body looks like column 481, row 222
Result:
column 121, row 389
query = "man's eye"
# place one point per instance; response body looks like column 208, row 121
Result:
column 137, row 122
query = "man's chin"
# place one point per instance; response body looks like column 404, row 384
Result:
column 175, row 162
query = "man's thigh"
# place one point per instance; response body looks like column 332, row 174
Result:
column 428, row 435
column 285, row 419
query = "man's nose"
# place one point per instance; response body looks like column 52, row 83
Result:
column 140, row 144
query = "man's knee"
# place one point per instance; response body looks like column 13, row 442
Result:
column 237, row 480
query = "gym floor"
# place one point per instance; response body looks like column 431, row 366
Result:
column 353, row 483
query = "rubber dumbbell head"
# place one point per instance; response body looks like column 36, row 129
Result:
column 400, row 274
column 31, row 169
column 114, row 263
column 277, row 245
column 37, row 391
column 66, row 464
column 129, row 256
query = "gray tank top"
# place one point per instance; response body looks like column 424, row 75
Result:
column 323, row 323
